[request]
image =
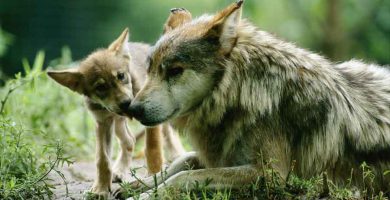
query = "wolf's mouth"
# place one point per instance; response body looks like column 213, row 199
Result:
column 121, row 113
column 155, row 122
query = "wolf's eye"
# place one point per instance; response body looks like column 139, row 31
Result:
column 175, row 71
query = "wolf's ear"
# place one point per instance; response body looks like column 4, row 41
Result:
column 177, row 17
column 70, row 78
column 119, row 46
column 224, row 26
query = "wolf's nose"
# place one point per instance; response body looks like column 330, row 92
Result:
column 125, row 105
column 136, row 110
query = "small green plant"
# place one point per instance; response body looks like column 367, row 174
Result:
column 25, row 168
column 31, row 146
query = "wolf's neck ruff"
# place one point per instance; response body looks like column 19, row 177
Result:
column 280, row 91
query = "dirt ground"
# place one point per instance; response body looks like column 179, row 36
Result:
column 80, row 176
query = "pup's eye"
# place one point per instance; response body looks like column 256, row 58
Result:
column 121, row 76
column 101, row 87
column 175, row 71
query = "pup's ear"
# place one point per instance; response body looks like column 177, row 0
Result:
column 70, row 78
column 177, row 17
column 119, row 46
column 224, row 26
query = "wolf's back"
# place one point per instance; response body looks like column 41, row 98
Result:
column 368, row 86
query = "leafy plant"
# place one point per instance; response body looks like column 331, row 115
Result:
column 24, row 168
column 32, row 131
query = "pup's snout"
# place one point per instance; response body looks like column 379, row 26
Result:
column 125, row 105
column 136, row 110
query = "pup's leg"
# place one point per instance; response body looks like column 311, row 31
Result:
column 187, row 161
column 102, row 184
column 126, row 141
column 172, row 143
column 153, row 149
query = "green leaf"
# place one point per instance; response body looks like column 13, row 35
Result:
column 38, row 62
column 12, row 183
column 26, row 66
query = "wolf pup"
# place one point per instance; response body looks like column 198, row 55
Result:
column 109, row 79
column 244, row 97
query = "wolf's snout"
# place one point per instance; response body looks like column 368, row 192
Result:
column 136, row 110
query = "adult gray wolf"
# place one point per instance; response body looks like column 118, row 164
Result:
column 109, row 78
column 244, row 97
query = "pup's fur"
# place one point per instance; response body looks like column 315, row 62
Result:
column 109, row 78
column 244, row 97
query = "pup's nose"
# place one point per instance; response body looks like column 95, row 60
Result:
column 136, row 110
column 125, row 105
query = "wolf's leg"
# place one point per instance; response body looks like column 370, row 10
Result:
column 221, row 178
column 153, row 149
column 105, row 125
column 126, row 141
column 172, row 143
column 187, row 161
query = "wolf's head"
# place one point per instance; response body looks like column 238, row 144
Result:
column 185, row 65
column 103, row 77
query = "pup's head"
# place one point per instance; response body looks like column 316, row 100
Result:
column 103, row 77
column 185, row 66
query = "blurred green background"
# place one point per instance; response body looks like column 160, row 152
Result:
column 43, row 124
column 339, row 29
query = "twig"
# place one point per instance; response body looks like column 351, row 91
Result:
column 64, row 179
column 133, row 174
column 5, row 99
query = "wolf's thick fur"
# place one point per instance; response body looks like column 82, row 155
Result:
column 244, row 97
column 109, row 79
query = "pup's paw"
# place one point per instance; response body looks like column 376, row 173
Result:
column 119, row 173
column 98, row 191
column 118, row 177
column 88, row 195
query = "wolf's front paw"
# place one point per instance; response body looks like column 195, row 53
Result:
column 121, row 194
column 177, row 10
column 98, row 191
